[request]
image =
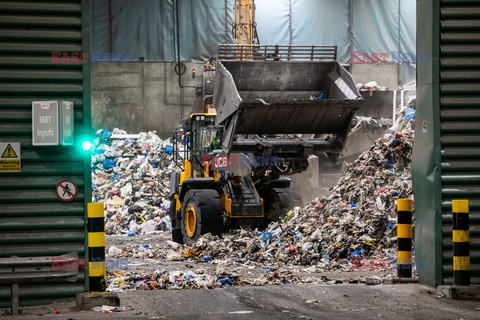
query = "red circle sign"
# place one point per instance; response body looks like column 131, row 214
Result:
column 66, row 190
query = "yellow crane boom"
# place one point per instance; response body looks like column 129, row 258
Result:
column 244, row 27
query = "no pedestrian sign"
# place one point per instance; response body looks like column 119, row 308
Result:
column 66, row 190
column 10, row 157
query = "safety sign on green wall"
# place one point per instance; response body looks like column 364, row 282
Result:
column 10, row 157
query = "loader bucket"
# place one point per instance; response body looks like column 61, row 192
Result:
column 262, row 97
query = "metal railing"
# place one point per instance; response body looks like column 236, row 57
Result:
column 276, row 52
column 18, row 270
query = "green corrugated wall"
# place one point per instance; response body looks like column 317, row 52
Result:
column 446, row 159
column 33, row 222
column 460, row 123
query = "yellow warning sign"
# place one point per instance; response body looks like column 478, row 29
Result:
column 9, row 152
column 10, row 157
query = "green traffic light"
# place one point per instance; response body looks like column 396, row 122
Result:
column 86, row 145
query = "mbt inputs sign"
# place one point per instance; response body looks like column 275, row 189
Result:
column 10, row 157
column 45, row 123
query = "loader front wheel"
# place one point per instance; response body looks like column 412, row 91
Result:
column 201, row 213
column 176, row 229
column 282, row 201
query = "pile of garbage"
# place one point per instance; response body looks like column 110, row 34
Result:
column 356, row 220
column 353, row 228
column 131, row 174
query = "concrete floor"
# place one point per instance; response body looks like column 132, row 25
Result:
column 399, row 301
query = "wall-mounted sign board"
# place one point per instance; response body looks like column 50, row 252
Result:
column 45, row 123
column 52, row 123
column 66, row 123
column 66, row 190
column 10, row 157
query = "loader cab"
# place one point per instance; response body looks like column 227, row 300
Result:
column 205, row 139
column 206, row 136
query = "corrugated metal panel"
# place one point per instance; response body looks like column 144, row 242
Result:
column 460, row 122
column 33, row 222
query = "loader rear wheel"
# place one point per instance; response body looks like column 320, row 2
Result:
column 283, row 200
column 201, row 214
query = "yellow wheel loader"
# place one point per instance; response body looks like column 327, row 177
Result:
column 266, row 110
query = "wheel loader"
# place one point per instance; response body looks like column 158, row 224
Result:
column 264, row 111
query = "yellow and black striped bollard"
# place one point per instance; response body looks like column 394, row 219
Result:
column 461, row 243
column 404, row 238
column 96, row 247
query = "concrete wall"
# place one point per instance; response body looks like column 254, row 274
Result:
column 385, row 74
column 308, row 183
column 141, row 96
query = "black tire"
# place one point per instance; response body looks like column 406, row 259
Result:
column 208, row 212
column 177, row 236
column 283, row 200
column 176, row 229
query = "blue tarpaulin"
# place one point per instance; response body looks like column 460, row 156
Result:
column 146, row 29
